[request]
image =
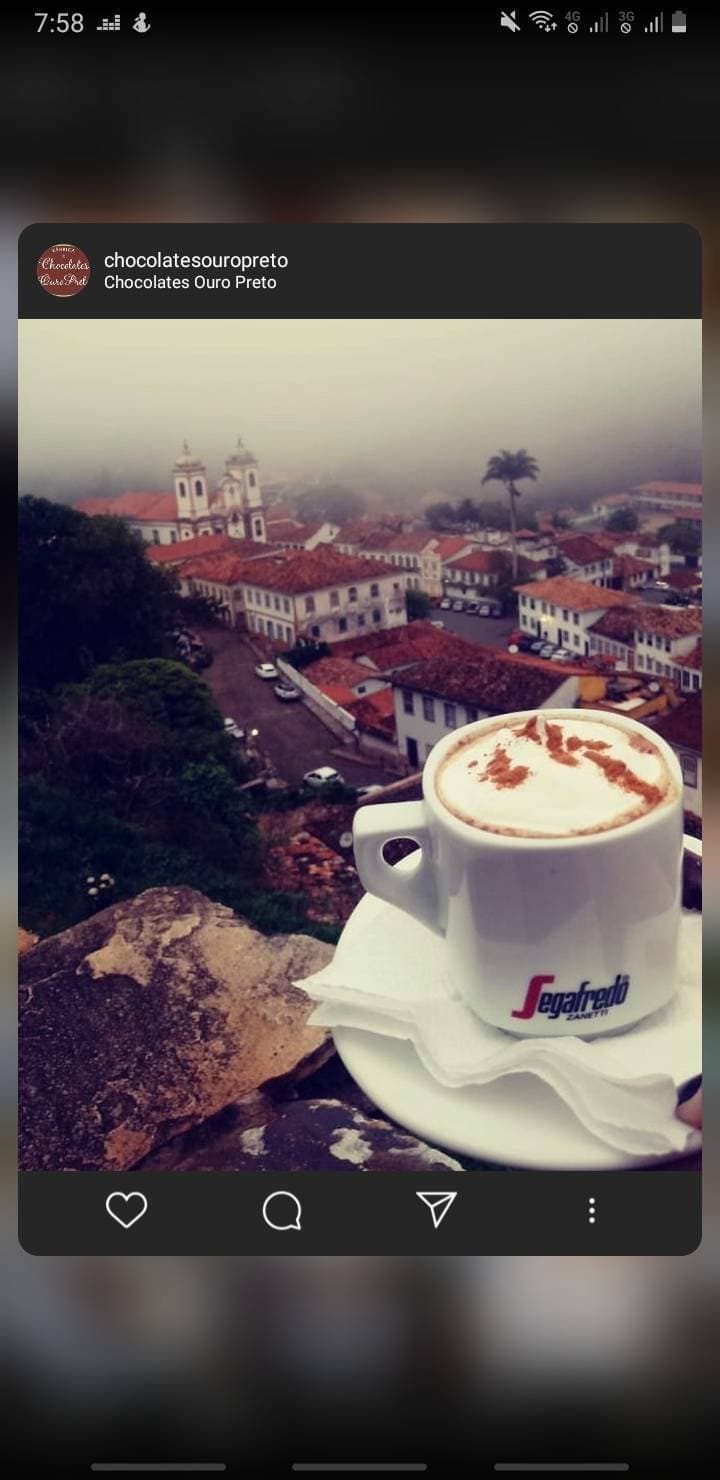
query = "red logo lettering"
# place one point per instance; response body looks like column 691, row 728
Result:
column 535, row 986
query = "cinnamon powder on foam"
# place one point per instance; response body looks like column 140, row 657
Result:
column 501, row 772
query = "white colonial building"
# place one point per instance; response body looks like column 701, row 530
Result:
column 286, row 594
column 192, row 508
column 563, row 610
column 467, row 683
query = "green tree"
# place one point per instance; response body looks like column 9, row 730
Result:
column 682, row 538
column 622, row 521
column 440, row 515
column 509, row 468
column 417, row 605
column 168, row 696
column 330, row 501
column 87, row 594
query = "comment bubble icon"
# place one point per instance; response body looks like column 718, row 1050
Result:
column 282, row 1211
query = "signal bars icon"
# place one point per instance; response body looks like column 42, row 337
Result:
column 601, row 25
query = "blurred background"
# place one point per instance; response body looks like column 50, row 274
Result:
column 448, row 1362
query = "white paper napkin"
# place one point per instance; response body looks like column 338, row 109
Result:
column 390, row 976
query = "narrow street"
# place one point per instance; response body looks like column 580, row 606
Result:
column 293, row 738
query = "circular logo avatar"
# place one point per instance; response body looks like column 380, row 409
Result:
column 63, row 270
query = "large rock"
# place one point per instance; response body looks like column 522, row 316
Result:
column 259, row 1135
column 149, row 1018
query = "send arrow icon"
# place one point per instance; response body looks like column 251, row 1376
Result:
column 438, row 1203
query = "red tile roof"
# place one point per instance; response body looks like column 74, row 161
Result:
column 669, row 621
column 683, row 579
column 286, row 529
column 578, row 596
column 376, row 713
column 669, row 488
column 412, row 541
column 338, row 670
column 131, row 505
column 619, row 623
column 682, row 727
column 395, row 646
column 228, row 567
column 684, row 512
column 293, row 572
column 484, row 561
column 202, row 545
column 629, row 565
column 581, row 549
column 485, row 678
column 356, row 531
column 449, row 545
column 340, row 694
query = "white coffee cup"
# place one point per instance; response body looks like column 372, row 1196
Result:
column 546, row 936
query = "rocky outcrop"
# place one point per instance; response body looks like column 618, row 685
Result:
column 148, row 1019
column 319, row 1135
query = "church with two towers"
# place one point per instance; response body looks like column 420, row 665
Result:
column 234, row 507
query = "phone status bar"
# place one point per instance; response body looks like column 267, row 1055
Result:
column 594, row 22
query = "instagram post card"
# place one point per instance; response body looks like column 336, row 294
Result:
column 360, row 734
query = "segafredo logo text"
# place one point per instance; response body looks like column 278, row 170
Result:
column 586, row 1002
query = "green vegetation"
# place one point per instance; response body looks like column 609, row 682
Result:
column 684, row 539
column 622, row 521
column 87, row 594
column 509, row 468
column 125, row 764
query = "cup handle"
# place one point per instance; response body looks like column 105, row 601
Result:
column 413, row 890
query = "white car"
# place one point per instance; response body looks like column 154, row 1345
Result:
column 369, row 791
column 458, row 606
column 445, row 604
column 484, row 609
column 286, row 691
column 562, row 655
column 267, row 670
column 323, row 776
column 232, row 728
column 547, row 650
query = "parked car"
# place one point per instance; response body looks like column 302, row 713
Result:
column 445, row 604
column 471, row 608
column 536, row 646
column 266, row 671
column 232, row 728
column 484, row 609
column 323, row 776
column 200, row 657
column 286, row 691
column 523, row 641
column 369, row 791
column 495, row 610
column 562, row 655
column 547, row 650
column 458, row 606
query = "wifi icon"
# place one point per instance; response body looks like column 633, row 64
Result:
column 543, row 19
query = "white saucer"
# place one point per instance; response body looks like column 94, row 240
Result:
column 515, row 1121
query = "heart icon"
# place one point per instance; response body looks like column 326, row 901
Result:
column 129, row 1206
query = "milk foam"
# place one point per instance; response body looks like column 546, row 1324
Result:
column 548, row 777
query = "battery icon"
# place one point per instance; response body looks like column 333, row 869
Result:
column 679, row 21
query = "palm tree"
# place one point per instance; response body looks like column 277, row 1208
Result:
column 507, row 467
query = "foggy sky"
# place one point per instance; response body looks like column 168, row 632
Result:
column 599, row 403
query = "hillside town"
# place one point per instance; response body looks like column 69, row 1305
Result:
column 392, row 629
